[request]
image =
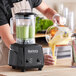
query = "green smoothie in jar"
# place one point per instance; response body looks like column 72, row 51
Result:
column 22, row 32
column 31, row 31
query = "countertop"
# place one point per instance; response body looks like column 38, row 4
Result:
column 62, row 68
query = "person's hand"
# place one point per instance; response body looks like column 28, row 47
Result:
column 48, row 60
column 56, row 18
column 59, row 19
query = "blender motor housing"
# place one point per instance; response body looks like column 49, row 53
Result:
column 26, row 56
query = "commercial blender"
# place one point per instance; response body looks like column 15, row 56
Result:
column 25, row 53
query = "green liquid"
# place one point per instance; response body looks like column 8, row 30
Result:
column 25, row 32
column 22, row 32
column 31, row 32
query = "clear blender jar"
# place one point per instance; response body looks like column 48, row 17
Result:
column 23, row 28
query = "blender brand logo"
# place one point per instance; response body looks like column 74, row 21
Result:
column 32, row 51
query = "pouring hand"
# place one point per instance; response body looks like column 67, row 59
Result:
column 59, row 19
column 56, row 18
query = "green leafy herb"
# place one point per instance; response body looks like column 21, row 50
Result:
column 42, row 24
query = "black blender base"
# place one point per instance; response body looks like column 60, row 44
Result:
column 26, row 56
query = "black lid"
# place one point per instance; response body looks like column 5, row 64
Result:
column 25, row 13
column 21, row 15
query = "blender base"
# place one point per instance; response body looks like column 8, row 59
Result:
column 26, row 56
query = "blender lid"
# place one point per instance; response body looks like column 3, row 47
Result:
column 24, row 14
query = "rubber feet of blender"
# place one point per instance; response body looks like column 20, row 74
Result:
column 13, row 67
column 40, row 69
column 22, row 70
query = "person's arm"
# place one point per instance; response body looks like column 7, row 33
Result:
column 47, row 11
column 6, row 36
column 44, row 8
